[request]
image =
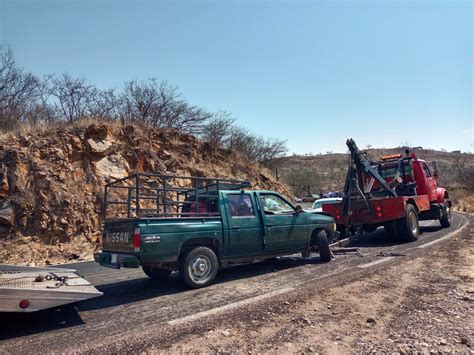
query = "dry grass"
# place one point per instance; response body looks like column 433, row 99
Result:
column 24, row 130
column 42, row 128
column 463, row 200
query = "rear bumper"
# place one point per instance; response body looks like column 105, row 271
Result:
column 116, row 261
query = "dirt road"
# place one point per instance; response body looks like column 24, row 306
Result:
column 420, row 299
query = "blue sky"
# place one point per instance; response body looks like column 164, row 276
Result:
column 311, row 72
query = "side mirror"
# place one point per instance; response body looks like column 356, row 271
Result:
column 298, row 209
column 434, row 164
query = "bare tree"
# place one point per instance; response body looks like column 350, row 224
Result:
column 17, row 89
column 218, row 129
column 25, row 98
column 148, row 101
column 42, row 109
column 74, row 96
column 185, row 118
column 464, row 170
column 260, row 149
column 159, row 104
column 270, row 149
column 239, row 140
column 103, row 104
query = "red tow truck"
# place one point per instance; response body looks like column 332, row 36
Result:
column 395, row 192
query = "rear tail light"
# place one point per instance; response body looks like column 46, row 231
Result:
column 24, row 304
column 338, row 217
column 137, row 240
column 379, row 211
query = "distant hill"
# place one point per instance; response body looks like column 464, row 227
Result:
column 332, row 167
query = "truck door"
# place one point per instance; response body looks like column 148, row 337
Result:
column 245, row 228
column 284, row 228
column 431, row 184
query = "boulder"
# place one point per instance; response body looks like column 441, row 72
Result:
column 7, row 216
column 97, row 131
column 112, row 166
column 100, row 147
column 98, row 140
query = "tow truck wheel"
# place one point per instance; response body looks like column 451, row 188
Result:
column 445, row 219
column 323, row 246
column 155, row 272
column 408, row 227
column 198, row 267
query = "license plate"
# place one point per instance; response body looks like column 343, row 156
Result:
column 113, row 259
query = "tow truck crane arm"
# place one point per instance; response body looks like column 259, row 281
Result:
column 359, row 164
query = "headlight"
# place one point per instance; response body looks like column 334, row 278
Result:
column 334, row 227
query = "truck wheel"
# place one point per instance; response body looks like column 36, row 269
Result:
column 198, row 267
column 408, row 227
column 391, row 229
column 445, row 219
column 323, row 246
column 155, row 272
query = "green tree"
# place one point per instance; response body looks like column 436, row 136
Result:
column 304, row 181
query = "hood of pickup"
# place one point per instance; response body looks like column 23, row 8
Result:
column 318, row 218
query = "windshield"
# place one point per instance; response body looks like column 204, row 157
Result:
column 273, row 204
column 389, row 171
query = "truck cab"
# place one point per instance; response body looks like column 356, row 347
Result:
column 415, row 173
column 202, row 226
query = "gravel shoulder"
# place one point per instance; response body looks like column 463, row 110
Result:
column 424, row 304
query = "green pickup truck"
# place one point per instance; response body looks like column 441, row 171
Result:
column 198, row 225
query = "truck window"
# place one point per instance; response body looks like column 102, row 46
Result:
column 426, row 170
column 240, row 205
column 273, row 204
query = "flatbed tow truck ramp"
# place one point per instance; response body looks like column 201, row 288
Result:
column 30, row 289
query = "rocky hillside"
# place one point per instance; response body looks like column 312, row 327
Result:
column 51, row 182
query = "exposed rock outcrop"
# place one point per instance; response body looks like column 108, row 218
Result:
column 51, row 183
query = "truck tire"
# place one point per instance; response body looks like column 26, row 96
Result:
column 391, row 229
column 198, row 267
column 445, row 219
column 323, row 247
column 408, row 227
column 155, row 272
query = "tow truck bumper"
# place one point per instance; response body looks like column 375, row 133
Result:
column 116, row 261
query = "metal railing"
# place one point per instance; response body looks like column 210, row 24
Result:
column 155, row 195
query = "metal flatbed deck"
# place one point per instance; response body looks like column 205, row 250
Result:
column 30, row 289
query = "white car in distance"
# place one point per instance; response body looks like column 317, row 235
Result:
column 318, row 204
